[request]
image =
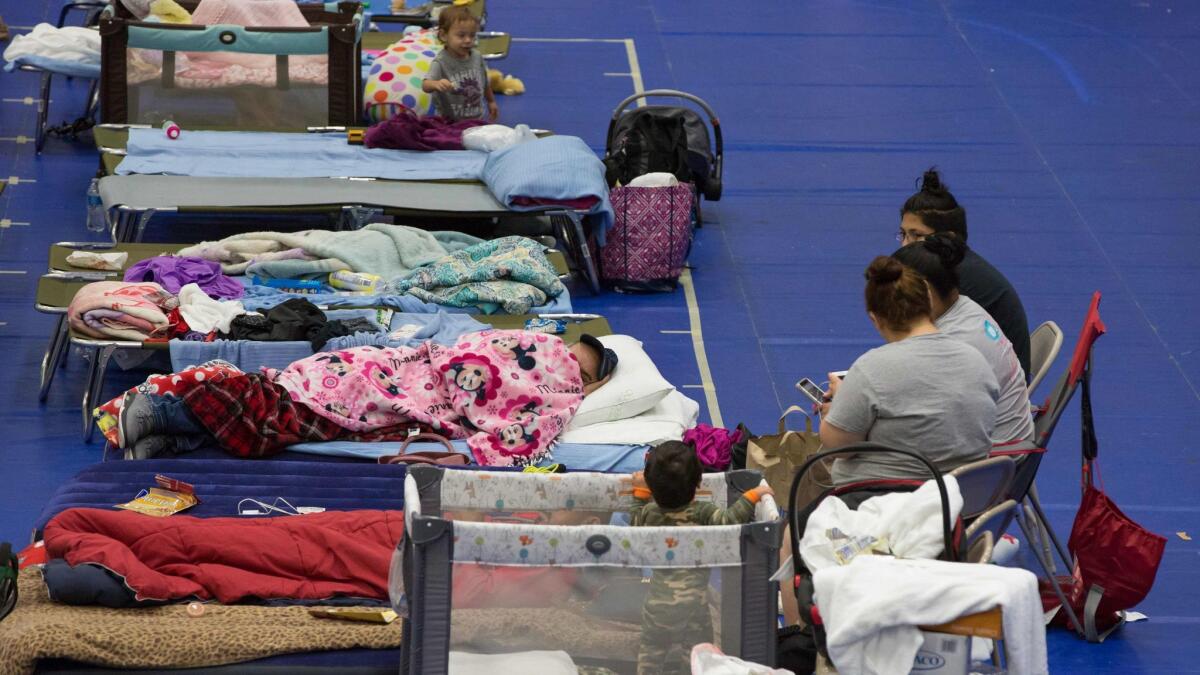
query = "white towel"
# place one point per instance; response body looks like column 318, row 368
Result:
column 872, row 606
column 203, row 314
column 911, row 522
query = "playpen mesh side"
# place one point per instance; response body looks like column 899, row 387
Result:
column 232, row 77
column 519, row 563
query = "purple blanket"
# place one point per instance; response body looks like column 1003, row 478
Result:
column 408, row 131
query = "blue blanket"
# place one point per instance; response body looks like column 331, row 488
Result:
column 258, row 298
column 614, row 458
column 250, row 355
column 255, row 154
column 555, row 168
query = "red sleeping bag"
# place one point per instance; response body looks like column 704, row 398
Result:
column 309, row 557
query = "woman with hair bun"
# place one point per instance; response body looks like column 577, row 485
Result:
column 937, row 258
column 933, row 209
column 923, row 391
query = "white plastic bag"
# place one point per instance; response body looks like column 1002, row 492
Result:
column 707, row 659
column 493, row 137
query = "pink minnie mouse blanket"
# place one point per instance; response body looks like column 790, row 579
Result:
column 509, row 393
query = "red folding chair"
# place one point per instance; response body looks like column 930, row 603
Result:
column 1029, row 455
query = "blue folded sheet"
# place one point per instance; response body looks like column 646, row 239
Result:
column 551, row 168
column 612, row 458
column 260, row 154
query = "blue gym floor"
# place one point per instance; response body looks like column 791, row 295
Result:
column 1070, row 131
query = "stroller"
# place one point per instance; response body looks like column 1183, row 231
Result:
column 666, row 138
column 798, row 646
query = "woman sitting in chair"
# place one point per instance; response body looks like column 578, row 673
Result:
column 923, row 391
column 936, row 258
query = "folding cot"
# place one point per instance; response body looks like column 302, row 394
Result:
column 57, row 288
column 132, row 201
column 47, row 72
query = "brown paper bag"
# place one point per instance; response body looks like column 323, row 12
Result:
column 780, row 455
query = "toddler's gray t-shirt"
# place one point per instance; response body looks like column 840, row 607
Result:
column 931, row 394
column 966, row 321
column 469, row 76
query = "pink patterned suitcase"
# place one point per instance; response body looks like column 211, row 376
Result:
column 648, row 244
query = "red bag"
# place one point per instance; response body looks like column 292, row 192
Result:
column 648, row 244
column 1115, row 559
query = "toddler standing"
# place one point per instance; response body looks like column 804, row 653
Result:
column 675, row 615
column 457, row 78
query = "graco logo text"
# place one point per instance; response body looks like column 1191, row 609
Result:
column 928, row 661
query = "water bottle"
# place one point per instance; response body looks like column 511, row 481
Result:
column 95, row 208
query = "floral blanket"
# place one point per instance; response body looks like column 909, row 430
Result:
column 511, row 274
column 509, row 393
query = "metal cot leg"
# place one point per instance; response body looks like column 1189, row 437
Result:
column 55, row 353
column 569, row 227
column 43, row 113
column 94, row 386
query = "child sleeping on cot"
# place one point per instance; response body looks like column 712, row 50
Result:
column 675, row 615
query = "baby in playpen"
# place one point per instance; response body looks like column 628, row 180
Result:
column 675, row 615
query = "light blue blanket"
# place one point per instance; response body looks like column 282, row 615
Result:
column 611, row 458
column 551, row 168
column 387, row 250
column 250, row 355
column 68, row 67
column 255, row 154
column 258, row 298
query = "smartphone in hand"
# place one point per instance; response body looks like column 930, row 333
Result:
column 811, row 390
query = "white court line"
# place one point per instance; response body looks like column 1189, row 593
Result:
column 6, row 223
column 710, row 389
column 28, row 100
column 635, row 71
column 15, row 139
column 17, row 180
column 676, row 332
column 13, row 272
column 618, row 74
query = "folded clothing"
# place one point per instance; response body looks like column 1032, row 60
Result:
column 294, row 320
column 175, row 272
column 124, row 311
column 203, row 314
column 314, row 556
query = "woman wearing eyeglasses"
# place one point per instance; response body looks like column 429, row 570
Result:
column 508, row 393
column 933, row 209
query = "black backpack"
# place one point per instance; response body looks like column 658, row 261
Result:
column 653, row 144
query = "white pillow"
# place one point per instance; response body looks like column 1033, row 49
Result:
column 666, row 421
column 636, row 385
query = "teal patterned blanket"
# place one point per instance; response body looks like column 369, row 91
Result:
column 510, row 274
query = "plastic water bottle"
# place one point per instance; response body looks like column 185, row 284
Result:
column 95, row 208
column 171, row 129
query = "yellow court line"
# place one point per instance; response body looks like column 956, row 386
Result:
column 685, row 280
column 710, row 389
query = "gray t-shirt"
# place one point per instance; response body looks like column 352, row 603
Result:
column 930, row 394
column 469, row 76
column 965, row 320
